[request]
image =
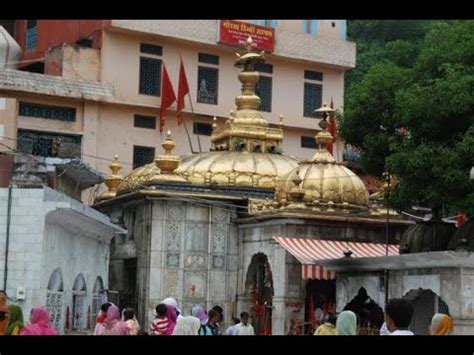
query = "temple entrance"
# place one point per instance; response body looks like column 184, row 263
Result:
column 259, row 283
column 320, row 301
column 370, row 315
column 425, row 304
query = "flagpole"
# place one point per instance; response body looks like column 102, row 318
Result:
column 189, row 137
column 194, row 115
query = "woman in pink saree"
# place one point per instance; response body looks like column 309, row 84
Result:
column 113, row 324
column 39, row 323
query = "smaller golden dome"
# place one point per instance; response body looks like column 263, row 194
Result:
column 162, row 170
column 322, row 184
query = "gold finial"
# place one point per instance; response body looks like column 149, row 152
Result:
column 112, row 181
column 296, row 193
column 167, row 162
column 249, row 43
column 214, row 123
column 323, row 137
column 115, row 166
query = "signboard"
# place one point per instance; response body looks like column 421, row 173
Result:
column 235, row 33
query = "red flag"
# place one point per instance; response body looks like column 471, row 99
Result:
column 183, row 90
column 167, row 96
column 332, row 128
column 461, row 219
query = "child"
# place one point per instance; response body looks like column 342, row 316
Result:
column 160, row 324
column 132, row 324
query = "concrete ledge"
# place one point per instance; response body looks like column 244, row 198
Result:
column 439, row 259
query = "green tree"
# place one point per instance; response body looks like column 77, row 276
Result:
column 427, row 85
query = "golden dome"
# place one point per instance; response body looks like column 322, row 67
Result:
column 321, row 184
column 236, row 169
column 325, row 183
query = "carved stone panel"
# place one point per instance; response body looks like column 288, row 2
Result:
column 175, row 212
column 220, row 215
column 195, row 284
column 170, row 283
column 219, row 237
column 195, row 261
column 218, row 261
column 173, row 233
column 172, row 259
column 196, row 236
column 218, row 285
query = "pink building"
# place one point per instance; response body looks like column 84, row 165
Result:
column 97, row 84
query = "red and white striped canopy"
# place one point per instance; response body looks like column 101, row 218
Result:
column 309, row 251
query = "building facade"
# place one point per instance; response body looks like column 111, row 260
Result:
column 97, row 84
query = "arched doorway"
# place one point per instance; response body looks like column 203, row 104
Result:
column 425, row 304
column 259, row 284
column 54, row 299
column 79, row 292
column 320, row 301
column 370, row 315
column 98, row 298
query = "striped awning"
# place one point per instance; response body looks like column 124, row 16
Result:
column 309, row 251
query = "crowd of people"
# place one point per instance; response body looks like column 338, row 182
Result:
column 398, row 316
column 170, row 321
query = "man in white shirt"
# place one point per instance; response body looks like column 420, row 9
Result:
column 398, row 313
column 243, row 328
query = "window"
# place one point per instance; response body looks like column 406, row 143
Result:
column 313, row 75
column 31, row 34
column 263, row 90
column 142, row 156
column 308, row 142
column 150, row 76
column 145, row 121
column 313, row 92
column 312, row 98
column 203, row 129
column 264, row 68
column 49, row 144
column 208, row 79
column 151, row 49
column 49, row 112
column 208, row 58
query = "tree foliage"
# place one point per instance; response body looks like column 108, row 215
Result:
column 422, row 78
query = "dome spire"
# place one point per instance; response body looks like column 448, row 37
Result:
column 112, row 181
column 323, row 137
column 247, row 130
column 167, row 162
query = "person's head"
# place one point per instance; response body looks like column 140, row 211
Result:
column 331, row 318
column 16, row 313
column 199, row 313
column 346, row 323
column 161, row 310
column 113, row 313
column 220, row 311
column 244, row 318
column 235, row 321
column 398, row 313
column 105, row 307
column 171, row 314
column 441, row 324
column 214, row 316
column 129, row 313
column 172, row 302
column 40, row 316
